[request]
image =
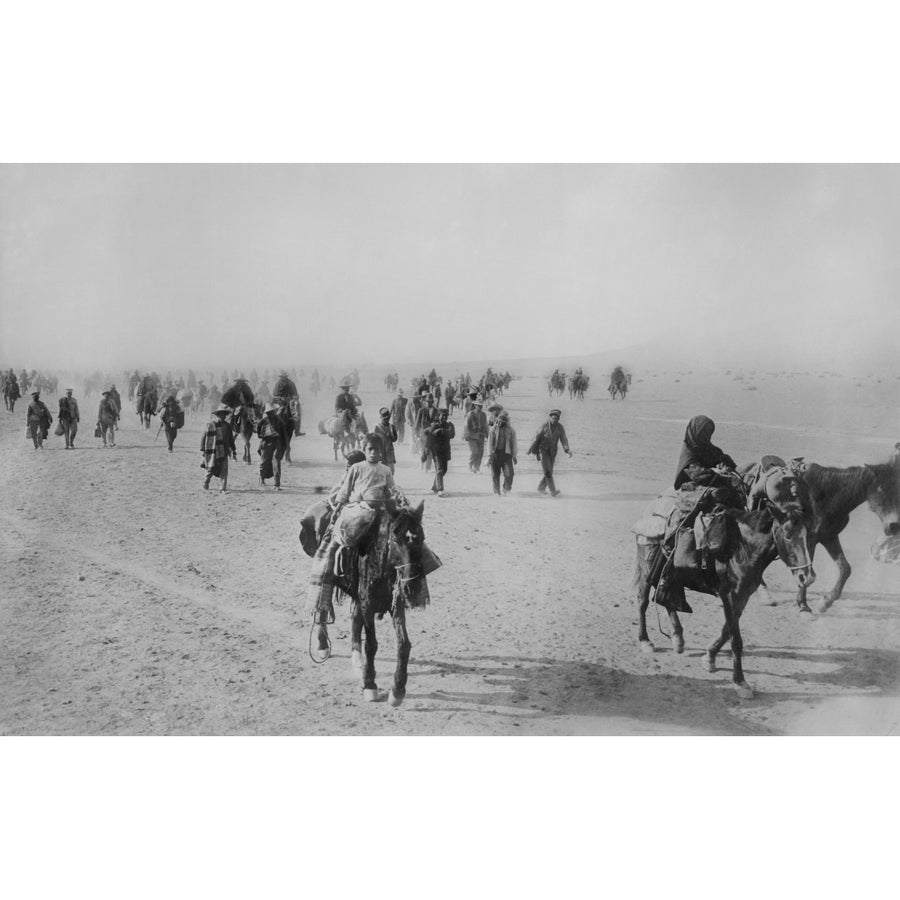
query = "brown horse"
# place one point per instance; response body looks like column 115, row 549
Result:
column 831, row 495
column 753, row 540
column 388, row 578
column 244, row 420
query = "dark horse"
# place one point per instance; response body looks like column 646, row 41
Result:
column 618, row 383
column 556, row 382
column 243, row 423
column 831, row 495
column 288, row 416
column 753, row 540
column 146, row 405
column 388, row 578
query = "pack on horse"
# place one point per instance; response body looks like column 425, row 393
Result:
column 147, row 400
column 830, row 495
column 618, row 383
column 578, row 384
column 729, row 566
column 287, row 398
column 557, row 382
column 345, row 431
column 386, row 573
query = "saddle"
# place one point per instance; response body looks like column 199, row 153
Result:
column 772, row 479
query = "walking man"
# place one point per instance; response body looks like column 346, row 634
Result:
column 546, row 445
column 503, row 452
column 475, row 433
column 107, row 417
column 69, row 417
column 272, row 446
column 216, row 446
column 388, row 434
column 39, row 420
column 439, row 436
column 398, row 414
column 172, row 418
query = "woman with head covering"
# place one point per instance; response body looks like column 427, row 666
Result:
column 699, row 457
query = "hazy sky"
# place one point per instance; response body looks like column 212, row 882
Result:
column 160, row 266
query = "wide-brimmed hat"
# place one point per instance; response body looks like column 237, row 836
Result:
column 69, row 390
column 478, row 402
column 384, row 411
column 271, row 407
column 504, row 416
column 400, row 392
column 346, row 382
column 35, row 393
column 555, row 412
column 224, row 409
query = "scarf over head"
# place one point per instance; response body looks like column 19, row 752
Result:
column 697, row 448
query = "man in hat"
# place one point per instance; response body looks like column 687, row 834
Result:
column 398, row 414
column 216, row 445
column 345, row 402
column 546, row 445
column 272, row 446
column 39, row 420
column 503, row 452
column 439, row 436
column 107, row 417
column 116, row 398
column 475, row 433
column 171, row 417
column 427, row 416
column 69, row 417
column 388, row 434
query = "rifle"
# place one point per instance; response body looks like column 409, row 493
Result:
column 161, row 423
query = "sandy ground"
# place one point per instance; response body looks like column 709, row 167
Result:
column 134, row 602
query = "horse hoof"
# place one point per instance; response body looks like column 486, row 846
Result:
column 356, row 661
column 647, row 647
column 678, row 643
column 370, row 695
column 710, row 663
column 394, row 699
column 803, row 609
column 743, row 690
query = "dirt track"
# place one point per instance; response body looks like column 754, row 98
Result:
column 134, row 602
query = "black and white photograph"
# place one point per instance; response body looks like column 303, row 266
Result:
column 450, row 449
column 480, row 436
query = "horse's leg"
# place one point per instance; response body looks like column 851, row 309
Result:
column 403, row 647
column 356, row 627
column 370, row 689
column 643, row 598
column 677, row 632
column 713, row 649
column 836, row 552
column 735, row 607
column 802, row 605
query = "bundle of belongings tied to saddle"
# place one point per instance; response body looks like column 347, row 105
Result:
column 685, row 530
column 335, row 544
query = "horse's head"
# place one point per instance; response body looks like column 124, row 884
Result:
column 884, row 493
column 791, row 540
column 405, row 549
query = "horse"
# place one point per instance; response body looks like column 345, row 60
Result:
column 244, row 420
column 618, row 383
column 578, row 384
column 146, row 405
column 831, row 494
column 388, row 578
column 753, row 539
column 345, row 431
column 556, row 382
column 288, row 416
